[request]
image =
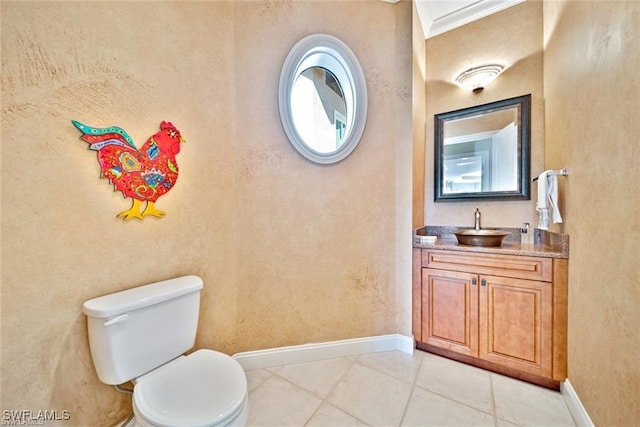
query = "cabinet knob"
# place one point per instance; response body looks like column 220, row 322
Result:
column 483, row 282
column 474, row 281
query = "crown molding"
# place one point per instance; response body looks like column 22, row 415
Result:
column 436, row 20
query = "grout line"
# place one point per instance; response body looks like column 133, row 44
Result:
column 415, row 377
column 413, row 388
column 406, row 406
column 453, row 400
column 262, row 381
column 314, row 412
column 412, row 382
column 323, row 400
column 493, row 401
column 299, row 389
column 354, row 360
column 340, row 380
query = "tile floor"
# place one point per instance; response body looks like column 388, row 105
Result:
column 397, row 389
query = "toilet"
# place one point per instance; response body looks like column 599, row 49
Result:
column 141, row 335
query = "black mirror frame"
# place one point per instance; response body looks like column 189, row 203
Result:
column 524, row 151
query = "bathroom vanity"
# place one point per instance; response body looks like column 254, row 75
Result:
column 499, row 308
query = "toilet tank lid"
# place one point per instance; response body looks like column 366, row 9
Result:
column 141, row 296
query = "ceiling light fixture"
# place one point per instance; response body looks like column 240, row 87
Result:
column 477, row 78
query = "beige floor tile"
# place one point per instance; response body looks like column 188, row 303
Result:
column 318, row 378
column 330, row 416
column 463, row 383
column 429, row 409
column 376, row 390
column 277, row 402
column 529, row 405
column 503, row 423
column 256, row 378
column 397, row 364
column 371, row 396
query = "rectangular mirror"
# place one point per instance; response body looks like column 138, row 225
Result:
column 483, row 152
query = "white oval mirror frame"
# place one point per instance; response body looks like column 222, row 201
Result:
column 330, row 53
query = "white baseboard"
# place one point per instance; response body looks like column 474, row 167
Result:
column 273, row 357
column 578, row 412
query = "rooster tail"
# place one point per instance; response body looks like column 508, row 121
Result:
column 99, row 137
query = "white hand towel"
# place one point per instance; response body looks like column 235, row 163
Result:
column 547, row 198
column 541, row 205
column 552, row 198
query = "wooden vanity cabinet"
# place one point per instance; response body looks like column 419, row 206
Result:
column 506, row 313
column 449, row 310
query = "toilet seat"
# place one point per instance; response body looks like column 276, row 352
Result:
column 205, row 388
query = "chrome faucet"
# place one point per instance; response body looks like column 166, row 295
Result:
column 477, row 217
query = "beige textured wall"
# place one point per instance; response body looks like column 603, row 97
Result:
column 126, row 64
column 592, row 88
column 290, row 252
column 419, row 102
column 513, row 35
column 317, row 244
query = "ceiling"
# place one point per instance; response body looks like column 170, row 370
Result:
column 439, row 16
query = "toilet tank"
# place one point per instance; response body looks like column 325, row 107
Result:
column 134, row 331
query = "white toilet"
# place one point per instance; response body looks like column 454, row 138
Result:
column 140, row 335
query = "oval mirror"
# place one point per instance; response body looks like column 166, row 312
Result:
column 322, row 99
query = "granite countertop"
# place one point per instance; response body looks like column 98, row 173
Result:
column 546, row 244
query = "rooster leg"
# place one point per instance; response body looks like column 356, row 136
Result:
column 134, row 212
column 151, row 210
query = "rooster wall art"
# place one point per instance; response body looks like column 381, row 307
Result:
column 142, row 174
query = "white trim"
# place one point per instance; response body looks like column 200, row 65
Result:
column 577, row 410
column 273, row 357
column 468, row 11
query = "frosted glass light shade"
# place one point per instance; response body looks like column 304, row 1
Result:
column 477, row 78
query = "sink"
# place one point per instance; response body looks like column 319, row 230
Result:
column 480, row 237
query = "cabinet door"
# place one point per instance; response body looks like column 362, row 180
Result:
column 450, row 310
column 516, row 323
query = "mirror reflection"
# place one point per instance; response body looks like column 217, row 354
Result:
column 483, row 151
column 319, row 109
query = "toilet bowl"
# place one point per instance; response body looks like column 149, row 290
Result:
column 140, row 335
column 206, row 388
